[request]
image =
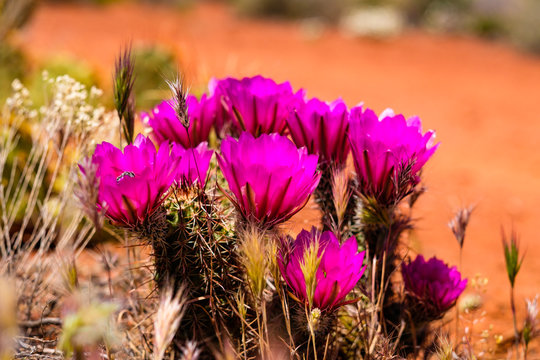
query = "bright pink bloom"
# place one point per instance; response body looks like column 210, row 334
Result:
column 193, row 165
column 257, row 104
column 270, row 178
column 203, row 115
column 132, row 184
column 339, row 271
column 322, row 128
column 433, row 282
column 389, row 151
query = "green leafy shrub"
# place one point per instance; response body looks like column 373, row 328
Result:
column 524, row 25
column 329, row 10
column 12, row 66
column 153, row 65
column 488, row 26
column 58, row 66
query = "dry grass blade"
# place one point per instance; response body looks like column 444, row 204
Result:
column 459, row 223
column 179, row 93
column 39, row 220
column 167, row 319
column 341, row 194
column 253, row 247
column 13, row 14
column 190, row 351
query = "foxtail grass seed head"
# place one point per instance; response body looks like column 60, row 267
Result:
column 341, row 193
column 512, row 255
column 388, row 151
column 321, row 127
column 459, row 223
column 319, row 271
column 433, row 283
column 204, row 115
column 273, row 247
column 190, row 351
column 124, row 100
column 254, row 256
column 444, row 349
column 179, row 102
column 269, row 177
column 309, row 264
column 70, row 274
column 257, row 104
column 167, row 319
column 314, row 320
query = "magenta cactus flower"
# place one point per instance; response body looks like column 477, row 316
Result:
column 257, row 104
column 389, row 151
column 270, row 178
column 193, row 165
column 132, row 183
column 322, row 128
column 433, row 283
column 339, row 270
column 203, row 115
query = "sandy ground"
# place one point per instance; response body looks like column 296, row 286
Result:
column 481, row 98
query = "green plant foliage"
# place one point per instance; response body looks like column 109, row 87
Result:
column 152, row 66
column 329, row 10
column 174, row 3
column 421, row 11
column 77, row 69
column 13, row 66
column 512, row 257
column 89, row 326
column 58, row 66
column 488, row 26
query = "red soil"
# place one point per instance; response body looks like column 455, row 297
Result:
column 482, row 98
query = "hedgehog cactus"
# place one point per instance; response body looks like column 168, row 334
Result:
column 197, row 253
column 216, row 239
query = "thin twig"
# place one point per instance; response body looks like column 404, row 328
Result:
column 40, row 322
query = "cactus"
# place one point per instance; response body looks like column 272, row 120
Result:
column 197, row 251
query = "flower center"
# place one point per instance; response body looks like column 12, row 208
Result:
column 124, row 174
